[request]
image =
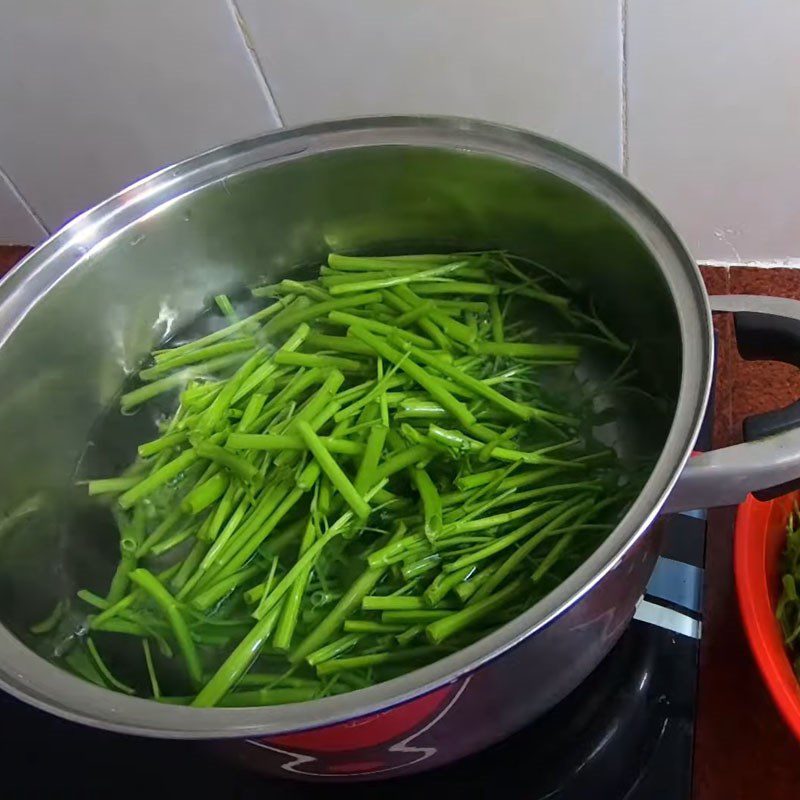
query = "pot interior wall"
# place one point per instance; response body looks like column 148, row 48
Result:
column 65, row 363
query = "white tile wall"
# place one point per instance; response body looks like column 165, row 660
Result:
column 703, row 114
column 714, row 122
column 17, row 224
column 549, row 65
column 95, row 94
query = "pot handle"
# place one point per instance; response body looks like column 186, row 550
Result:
column 768, row 464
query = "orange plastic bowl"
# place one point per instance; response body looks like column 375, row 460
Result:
column 760, row 539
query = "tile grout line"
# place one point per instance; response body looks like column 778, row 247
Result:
column 261, row 76
column 6, row 178
column 623, row 56
column 775, row 263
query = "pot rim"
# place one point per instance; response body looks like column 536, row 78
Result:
column 46, row 686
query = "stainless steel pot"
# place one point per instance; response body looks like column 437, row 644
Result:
column 80, row 311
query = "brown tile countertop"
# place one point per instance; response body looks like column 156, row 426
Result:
column 743, row 750
column 9, row 255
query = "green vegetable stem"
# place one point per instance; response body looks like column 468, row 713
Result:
column 381, row 465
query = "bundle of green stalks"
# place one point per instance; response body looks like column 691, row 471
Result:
column 364, row 476
column 788, row 608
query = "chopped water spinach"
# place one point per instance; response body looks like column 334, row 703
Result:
column 375, row 469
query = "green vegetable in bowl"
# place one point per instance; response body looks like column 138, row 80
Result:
column 788, row 608
column 373, row 471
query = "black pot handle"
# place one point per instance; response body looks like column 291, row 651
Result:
column 770, row 337
column 768, row 463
